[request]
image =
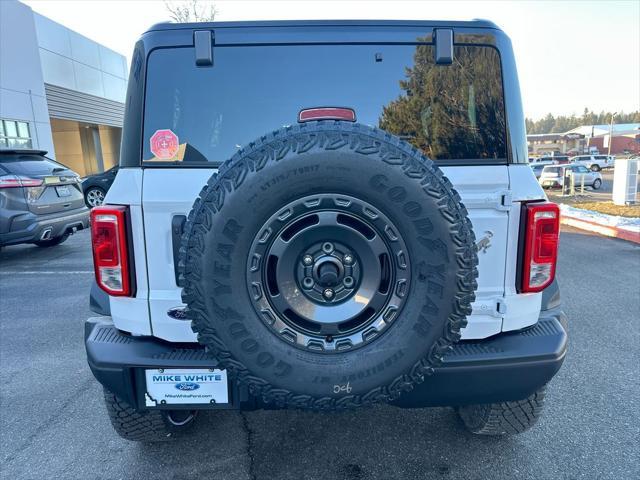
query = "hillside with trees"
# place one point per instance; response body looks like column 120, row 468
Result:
column 561, row 123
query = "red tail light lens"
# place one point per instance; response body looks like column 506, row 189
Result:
column 110, row 252
column 542, row 231
column 327, row 113
column 17, row 181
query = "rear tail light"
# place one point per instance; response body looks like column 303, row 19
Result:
column 540, row 255
column 110, row 249
column 17, row 181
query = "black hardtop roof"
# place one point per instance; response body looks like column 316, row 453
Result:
column 475, row 23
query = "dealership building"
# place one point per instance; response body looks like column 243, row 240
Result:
column 59, row 91
column 624, row 138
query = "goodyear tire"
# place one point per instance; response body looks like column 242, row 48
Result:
column 147, row 426
column 328, row 265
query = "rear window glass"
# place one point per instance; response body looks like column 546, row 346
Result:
column 451, row 112
column 31, row 165
column 552, row 169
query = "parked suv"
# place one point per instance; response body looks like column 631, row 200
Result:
column 96, row 186
column 40, row 200
column 552, row 176
column 367, row 232
column 594, row 162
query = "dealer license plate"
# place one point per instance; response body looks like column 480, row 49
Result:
column 63, row 191
column 186, row 387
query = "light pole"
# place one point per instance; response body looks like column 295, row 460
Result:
column 611, row 132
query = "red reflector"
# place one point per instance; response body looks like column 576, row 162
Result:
column 327, row 113
column 542, row 231
column 110, row 251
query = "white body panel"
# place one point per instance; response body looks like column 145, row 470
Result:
column 520, row 310
column 485, row 190
column 131, row 314
column 167, row 192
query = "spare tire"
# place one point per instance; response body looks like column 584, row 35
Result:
column 328, row 265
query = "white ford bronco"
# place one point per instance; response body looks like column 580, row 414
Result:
column 325, row 216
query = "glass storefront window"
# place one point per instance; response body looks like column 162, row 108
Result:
column 15, row 134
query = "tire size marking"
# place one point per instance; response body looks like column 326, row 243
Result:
column 290, row 173
column 379, row 367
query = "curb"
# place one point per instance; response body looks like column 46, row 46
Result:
column 606, row 230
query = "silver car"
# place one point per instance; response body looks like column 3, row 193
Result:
column 552, row 176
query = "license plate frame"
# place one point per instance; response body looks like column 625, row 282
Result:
column 175, row 388
column 63, row 191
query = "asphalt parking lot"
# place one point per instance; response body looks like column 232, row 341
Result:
column 53, row 423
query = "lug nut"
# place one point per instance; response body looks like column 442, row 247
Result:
column 328, row 293
column 348, row 282
column 307, row 282
column 347, row 259
column 327, row 247
column 307, row 259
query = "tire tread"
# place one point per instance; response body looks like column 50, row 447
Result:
column 503, row 418
column 329, row 135
column 148, row 426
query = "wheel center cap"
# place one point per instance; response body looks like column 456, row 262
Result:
column 328, row 274
column 328, row 271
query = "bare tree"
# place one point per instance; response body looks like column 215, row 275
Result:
column 191, row 11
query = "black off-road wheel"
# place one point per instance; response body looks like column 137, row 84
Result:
column 147, row 426
column 328, row 265
column 503, row 418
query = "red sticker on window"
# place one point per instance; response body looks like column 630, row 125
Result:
column 164, row 144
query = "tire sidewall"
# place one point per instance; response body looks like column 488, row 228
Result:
column 228, row 323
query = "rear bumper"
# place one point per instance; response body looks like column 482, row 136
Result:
column 28, row 227
column 509, row 366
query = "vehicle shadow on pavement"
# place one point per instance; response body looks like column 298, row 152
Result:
column 379, row 443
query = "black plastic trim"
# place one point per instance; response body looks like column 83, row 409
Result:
column 177, row 228
column 506, row 367
column 203, row 43
column 551, row 296
column 444, row 46
column 99, row 300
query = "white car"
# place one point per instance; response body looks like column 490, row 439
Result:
column 552, row 175
column 538, row 167
column 594, row 162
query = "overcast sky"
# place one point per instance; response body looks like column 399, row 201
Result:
column 570, row 54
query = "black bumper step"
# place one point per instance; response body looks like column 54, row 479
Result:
column 509, row 366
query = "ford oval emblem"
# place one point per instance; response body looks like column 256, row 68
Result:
column 187, row 386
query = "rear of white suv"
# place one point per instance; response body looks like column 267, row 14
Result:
column 158, row 349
